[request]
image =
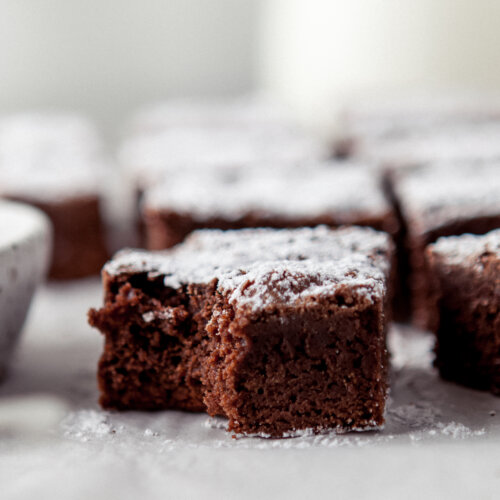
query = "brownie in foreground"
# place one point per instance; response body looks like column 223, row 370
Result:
column 277, row 330
column 466, row 270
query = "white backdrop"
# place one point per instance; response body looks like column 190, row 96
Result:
column 108, row 56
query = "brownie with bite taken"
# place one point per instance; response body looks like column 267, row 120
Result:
column 280, row 331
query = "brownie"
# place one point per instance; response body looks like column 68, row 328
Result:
column 277, row 330
column 456, row 142
column 373, row 125
column 443, row 200
column 54, row 162
column 147, row 159
column 328, row 193
column 466, row 303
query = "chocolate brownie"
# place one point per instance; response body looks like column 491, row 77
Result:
column 461, row 142
column 53, row 161
column 443, row 200
column 371, row 122
column 328, row 193
column 466, row 301
column 150, row 158
column 277, row 330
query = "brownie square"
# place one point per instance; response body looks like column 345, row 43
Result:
column 149, row 158
column 54, row 162
column 466, row 303
column 277, row 330
column 330, row 193
column 443, row 200
column 455, row 143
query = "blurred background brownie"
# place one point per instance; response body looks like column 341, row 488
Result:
column 277, row 330
column 278, row 196
column 55, row 162
column 442, row 200
column 466, row 301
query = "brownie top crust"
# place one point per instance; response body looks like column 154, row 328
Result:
column 438, row 194
column 148, row 158
column 49, row 156
column 267, row 268
column 467, row 249
column 313, row 191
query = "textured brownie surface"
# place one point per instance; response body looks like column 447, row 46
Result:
column 278, row 330
column 54, row 161
column 324, row 193
column 466, row 302
column 443, row 200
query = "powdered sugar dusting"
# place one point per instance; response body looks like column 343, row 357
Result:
column 320, row 189
column 464, row 142
column 262, row 267
column 153, row 157
column 467, row 249
column 439, row 194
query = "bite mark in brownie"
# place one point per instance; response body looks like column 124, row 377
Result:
column 277, row 330
column 466, row 308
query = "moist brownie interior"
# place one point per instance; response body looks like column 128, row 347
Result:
column 278, row 330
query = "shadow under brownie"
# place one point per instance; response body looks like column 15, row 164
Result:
column 277, row 330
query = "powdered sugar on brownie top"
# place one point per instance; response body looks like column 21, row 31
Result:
column 262, row 268
column 440, row 194
column 467, row 249
column 453, row 143
column 328, row 189
column 48, row 156
column 153, row 157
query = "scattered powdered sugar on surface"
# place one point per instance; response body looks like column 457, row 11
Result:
column 341, row 191
column 467, row 249
column 261, row 267
column 438, row 194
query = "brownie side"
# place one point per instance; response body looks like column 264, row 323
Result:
column 320, row 365
column 466, row 318
column 420, row 276
column 166, row 228
column 79, row 246
column 154, row 341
